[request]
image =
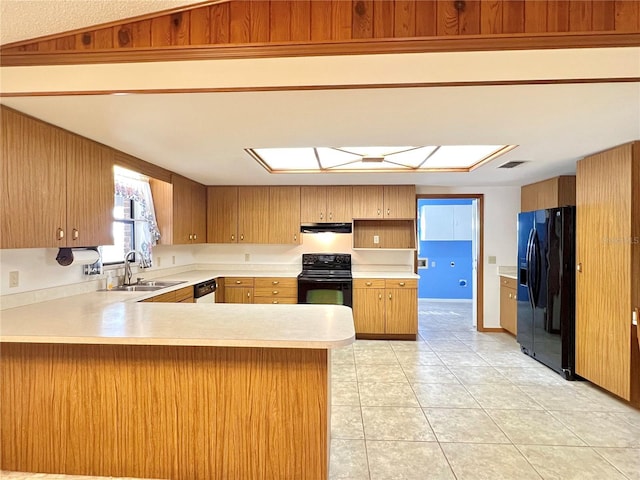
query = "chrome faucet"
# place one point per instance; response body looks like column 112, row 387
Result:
column 127, row 265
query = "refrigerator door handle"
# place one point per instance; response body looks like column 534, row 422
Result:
column 535, row 253
column 529, row 266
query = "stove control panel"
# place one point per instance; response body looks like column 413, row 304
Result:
column 321, row 261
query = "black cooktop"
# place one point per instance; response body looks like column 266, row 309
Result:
column 326, row 265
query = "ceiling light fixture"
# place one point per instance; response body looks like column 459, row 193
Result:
column 443, row 158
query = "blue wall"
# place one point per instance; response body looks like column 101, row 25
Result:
column 443, row 280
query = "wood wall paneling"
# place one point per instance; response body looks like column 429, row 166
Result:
column 200, row 26
column 447, row 20
column 426, row 25
column 260, row 18
column 627, row 17
column 604, row 15
column 240, row 22
column 161, row 31
column 280, row 21
column 321, row 20
column 165, row 412
column 469, row 18
column 490, row 17
column 383, row 19
column 513, row 16
column 580, row 16
column 341, row 20
column 535, row 17
column 404, row 18
column 558, row 15
column 103, row 38
column 220, row 23
column 301, row 20
column 362, row 19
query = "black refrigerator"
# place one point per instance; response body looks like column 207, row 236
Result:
column 546, row 287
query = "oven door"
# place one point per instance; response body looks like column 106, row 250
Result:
column 325, row 291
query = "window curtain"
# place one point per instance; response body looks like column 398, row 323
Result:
column 139, row 190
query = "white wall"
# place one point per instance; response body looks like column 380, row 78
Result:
column 39, row 270
column 501, row 207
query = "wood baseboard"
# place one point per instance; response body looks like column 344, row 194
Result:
column 385, row 336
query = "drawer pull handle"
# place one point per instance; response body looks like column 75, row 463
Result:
column 195, row 237
column 295, row 237
column 275, row 292
column 275, row 301
column 402, row 284
column 388, row 211
column 238, row 282
column 233, row 237
column 368, row 284
column 389, row 296
column 76, row 234
column 60, row 234
column 242, row 237
column 321, row 215
column 380, row 296
column 275, row 282
column 248, row 294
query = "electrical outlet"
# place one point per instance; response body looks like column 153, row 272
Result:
column 376, row 239
column 247, row 257
column 492, row 260
column 14, row 279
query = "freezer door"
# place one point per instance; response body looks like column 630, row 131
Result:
column 526, row 221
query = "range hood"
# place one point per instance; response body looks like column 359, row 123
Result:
column 325, row 227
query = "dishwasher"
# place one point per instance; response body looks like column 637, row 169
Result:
column 205, row 292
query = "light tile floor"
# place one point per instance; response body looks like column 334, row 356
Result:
column 458, row 404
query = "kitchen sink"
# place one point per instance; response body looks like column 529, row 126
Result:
column 145, row 286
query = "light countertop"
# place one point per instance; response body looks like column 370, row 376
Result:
column 117, row 318
column 508, row 271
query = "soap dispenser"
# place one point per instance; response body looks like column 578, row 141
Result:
column 109, row 281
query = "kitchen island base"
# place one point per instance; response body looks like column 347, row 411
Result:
column 172, row 412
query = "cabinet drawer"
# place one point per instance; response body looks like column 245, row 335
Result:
column 275, row 301
column 272, row 282
column 238, row 282
column 508, row 282
column 368, row 283
column 401, row 283
column 276, row 291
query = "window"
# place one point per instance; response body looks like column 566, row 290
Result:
column 134, row 224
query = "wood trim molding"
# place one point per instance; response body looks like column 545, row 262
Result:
column 465, row 43
column 285, row 88
column 480, row 274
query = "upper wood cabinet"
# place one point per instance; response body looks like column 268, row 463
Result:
column 388, row 202
column 325, row 204
column 222, row 214
column 552, row 193
column 189, row 211
column 608, row 270
column 57, row 187
column 284, row 212
column 253, row 214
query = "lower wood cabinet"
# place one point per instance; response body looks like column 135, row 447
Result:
column 182, row 295
column 238, row 290
column 508, row 305
column 385, row 307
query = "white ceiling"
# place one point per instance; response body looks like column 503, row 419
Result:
column 203, row 135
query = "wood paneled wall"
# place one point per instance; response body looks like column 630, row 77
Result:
column 314, row 21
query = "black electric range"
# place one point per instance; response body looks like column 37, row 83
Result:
column 325, row 279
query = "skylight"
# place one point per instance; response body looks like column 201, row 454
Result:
column 444, row 158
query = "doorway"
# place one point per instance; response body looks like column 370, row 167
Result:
column 449, row 231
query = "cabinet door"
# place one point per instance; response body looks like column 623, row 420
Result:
column 222, row 214
column 367, row 201
column 238, row 295
column 313, row 205
column 33, row 206
column 438, row 222
column 182, row 228
column 339, row 204
column 369, row 310
column 253, row 214
column 199, row 213
column 462, row 222
column 90, row 192
column 399, row 201
column 508, row 308
column 605, row 229
column 402, row 311
column 284, row 205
